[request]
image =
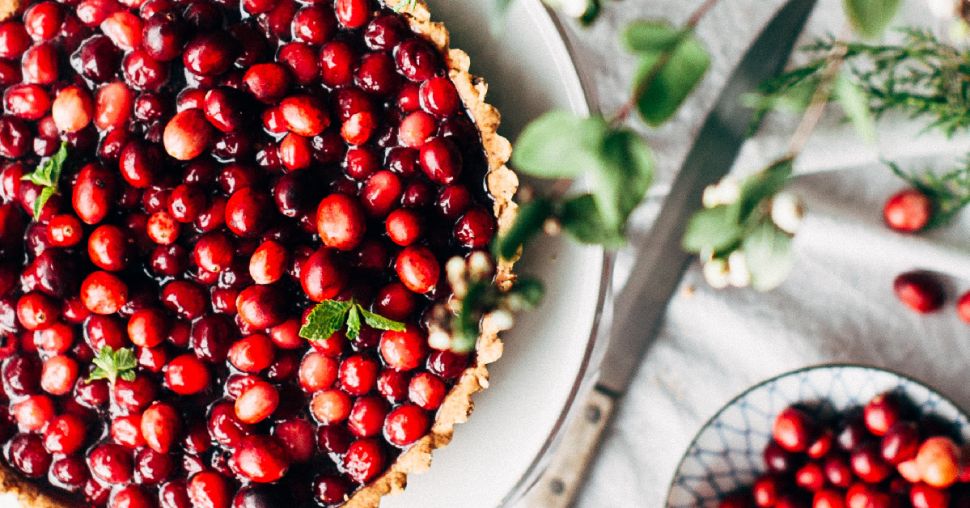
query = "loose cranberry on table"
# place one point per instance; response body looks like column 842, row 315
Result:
column 908, row 211
column 228, row 168
column 920, row 291
column 880, row 457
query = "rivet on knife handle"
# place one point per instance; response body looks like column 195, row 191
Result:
column 560, row 482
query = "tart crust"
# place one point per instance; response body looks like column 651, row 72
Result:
column 502, row 184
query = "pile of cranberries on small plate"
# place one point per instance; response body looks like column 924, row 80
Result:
column 882, row 456
column 182, row 181
column 832, row 436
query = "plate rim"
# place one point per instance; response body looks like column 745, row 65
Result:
column 820, row 366
column 594, row 344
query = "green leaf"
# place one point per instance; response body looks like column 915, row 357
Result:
column 110, row 364
column 769, row 256
column 715, row 229
column 527, row 223
column 525, row 294
column 559, row 145
column 353, row 322
column 855, row 104
column 41, row 200
column 581, row 218
column 651, row 36
column 464, row 333
column 671, row 83
column 405, row 6
column 623, row 178
column 871, row 17
column 762, row 186
column 325, row 319
column 47, row 175
column 380, row 322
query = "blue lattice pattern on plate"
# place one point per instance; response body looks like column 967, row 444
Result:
column 727, row 453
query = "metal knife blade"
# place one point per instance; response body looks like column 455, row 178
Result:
column 641, row 305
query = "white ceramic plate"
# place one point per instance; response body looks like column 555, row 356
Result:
column 529, row 71
column 726, row 455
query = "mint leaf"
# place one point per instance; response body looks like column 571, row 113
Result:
column 528, row 223
column 662, row 90
column 769, row 255
column 712, row 228
column 325, row 319
column 380, row 322
column 47, row 175
column 581, row 218
column 353, row 322
column 651, row 36
column 110, row 364
column 871, row 17
column 559, row 145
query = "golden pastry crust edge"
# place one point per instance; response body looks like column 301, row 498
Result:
column 457, row 407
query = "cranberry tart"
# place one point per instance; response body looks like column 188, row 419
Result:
column 182, row 182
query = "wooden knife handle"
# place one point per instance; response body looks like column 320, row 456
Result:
column 560, row 482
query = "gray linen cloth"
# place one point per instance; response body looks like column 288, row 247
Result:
column 838, row 304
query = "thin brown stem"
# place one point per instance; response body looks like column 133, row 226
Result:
column 624, row 112
column 820, row 98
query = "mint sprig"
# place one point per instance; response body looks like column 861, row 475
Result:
column 47, row 175
column 111, row 364
column 332, row 315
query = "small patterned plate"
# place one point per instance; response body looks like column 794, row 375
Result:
column 726, row 454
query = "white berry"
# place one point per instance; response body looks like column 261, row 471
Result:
column 738, row 273
column 787, row 212
column 716, row 273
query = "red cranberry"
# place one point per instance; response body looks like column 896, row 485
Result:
column 39, row 64
column 110, row 463
column 924, row 496
column 337, row 62
column 72, row 109
column 268, row 82
column 208, row 489
column 416, row 59
column 330, row 490
column 247, row 212
column 777, row 459
column 417, row 269
column 475, row 229
column 440, row 160
column 124, row 29
column 103, row 293
column 252, row 354
column 330, row 406
column 364, row 460
column 321, row 277
column 384, row 32
column 963, row 307
column 27, row 455
column 260, row 306
column 33, row 412
column 868, row 465
column 406, row 424
column 14, row 137
column 153, row 467
column 810, row 477
column 821, row 446
column 187, row 134
column 296, row 436
column 881, row 413
column 301, row 60
column 257, row 402
column 908, row 211
column 427, row 391
column 92, row 394
column 377, row 75
column 108, row 248
column 837, row 471
column 938, row 462
column 261, row 459
column 29, row 102
column 59, row 374
column 447, row 364
column 65, row 434
column 186, row 375
column 162, row 38
column 14, row 40
column 209, row 54
column 69, row 473
column 133, row 396
column 42, row 21
column 403, row 350
column 919, row 291
column 359, row 128
column 439, row 97
column 126, row 431
column 160, row 426
column 317, row 372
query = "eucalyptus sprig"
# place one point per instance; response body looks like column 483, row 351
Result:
column 47, row 175
column 329, row 316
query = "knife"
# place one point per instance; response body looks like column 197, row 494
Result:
column 641, row 305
